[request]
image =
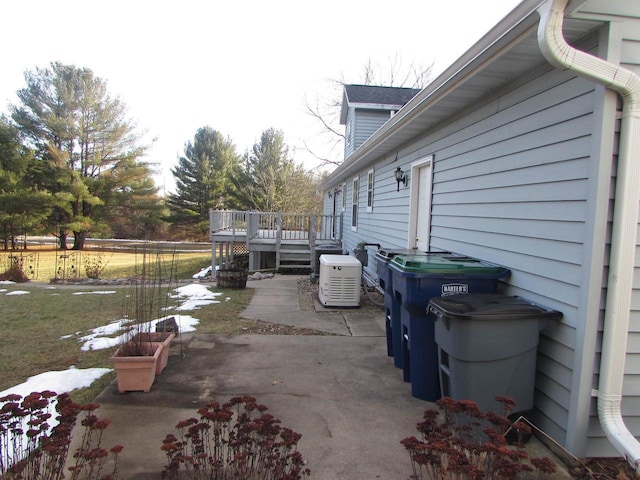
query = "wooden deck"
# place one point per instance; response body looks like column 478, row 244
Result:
column 271, row 240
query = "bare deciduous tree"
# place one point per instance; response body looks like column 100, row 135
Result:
column 325, row 109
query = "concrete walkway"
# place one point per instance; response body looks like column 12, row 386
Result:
column 341, row 392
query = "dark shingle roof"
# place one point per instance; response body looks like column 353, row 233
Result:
column 379, row 95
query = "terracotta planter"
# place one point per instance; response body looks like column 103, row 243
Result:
column 160, row 339
column 136, row 372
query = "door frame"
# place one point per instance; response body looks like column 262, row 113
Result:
column 413, row 199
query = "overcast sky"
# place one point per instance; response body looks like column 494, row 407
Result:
column 240, row 66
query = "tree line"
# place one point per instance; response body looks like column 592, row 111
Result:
column 73, row 165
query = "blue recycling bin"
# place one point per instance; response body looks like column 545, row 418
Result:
column 391, row 307
column 415, row 280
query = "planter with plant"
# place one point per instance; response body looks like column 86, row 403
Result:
column 145, row 352
column 159, row 340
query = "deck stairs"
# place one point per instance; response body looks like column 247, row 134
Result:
column 293, row 257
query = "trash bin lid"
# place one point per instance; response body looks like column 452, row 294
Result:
column 447, row 264
column 489, row 306
column 387, row 253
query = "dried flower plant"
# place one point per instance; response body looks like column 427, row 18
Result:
column 236, row 440
column 459, row 442
column 33, row 450
column 94, row 265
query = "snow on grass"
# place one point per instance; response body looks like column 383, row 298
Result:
column 190, row 297
column 96, row 292
column 60, row 381
column 196, row 296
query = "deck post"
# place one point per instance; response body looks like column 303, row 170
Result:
column 313, row 234
column 278, row 238
column 213, row 242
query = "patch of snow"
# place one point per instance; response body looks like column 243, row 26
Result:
column 96, row 292
column 196, row 295
column 190, row 297
column 205, row 272
column 58, row 381
column 259, row 276
column 17, row 292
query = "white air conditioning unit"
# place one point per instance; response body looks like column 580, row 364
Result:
column 339, row 281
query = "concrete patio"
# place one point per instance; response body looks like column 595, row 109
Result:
column 340, row 391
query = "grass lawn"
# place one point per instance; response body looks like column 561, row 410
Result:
column 34, row 323
column 47, row 263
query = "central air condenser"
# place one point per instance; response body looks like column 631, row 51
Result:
column 339, row 281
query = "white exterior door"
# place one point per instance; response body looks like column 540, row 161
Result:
column 420, row 209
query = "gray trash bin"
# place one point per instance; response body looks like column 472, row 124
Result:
column 487, row 346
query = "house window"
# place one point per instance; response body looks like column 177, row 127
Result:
column 354, row 204
column 370, row 190
column 344, row 196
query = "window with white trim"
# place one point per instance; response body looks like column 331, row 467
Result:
column 354, row 203
column 370, row 190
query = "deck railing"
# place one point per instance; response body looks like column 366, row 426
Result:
column 275, row 225
column 227, row 220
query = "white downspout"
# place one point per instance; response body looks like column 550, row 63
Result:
column 625, row 219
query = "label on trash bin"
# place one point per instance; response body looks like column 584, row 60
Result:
column 455, row 289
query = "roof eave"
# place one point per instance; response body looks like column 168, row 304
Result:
column 489, row 46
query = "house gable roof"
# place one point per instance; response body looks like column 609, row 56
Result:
column 375, row 97
column 506, row 52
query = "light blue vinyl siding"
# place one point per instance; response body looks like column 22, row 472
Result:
column 510, row 185
column 350, row 133
column 514, row 188
column 361, row 124
column 387, row 223
column 524, row 179
column 367, row 122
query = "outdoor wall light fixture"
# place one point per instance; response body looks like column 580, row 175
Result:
column 334, row 192
column 400, row 177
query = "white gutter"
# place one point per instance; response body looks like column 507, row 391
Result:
column 625, row 219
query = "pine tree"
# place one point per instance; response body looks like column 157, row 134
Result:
column 267, row 170
column 22, row 205
column 205, row 179
column 83, row 138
